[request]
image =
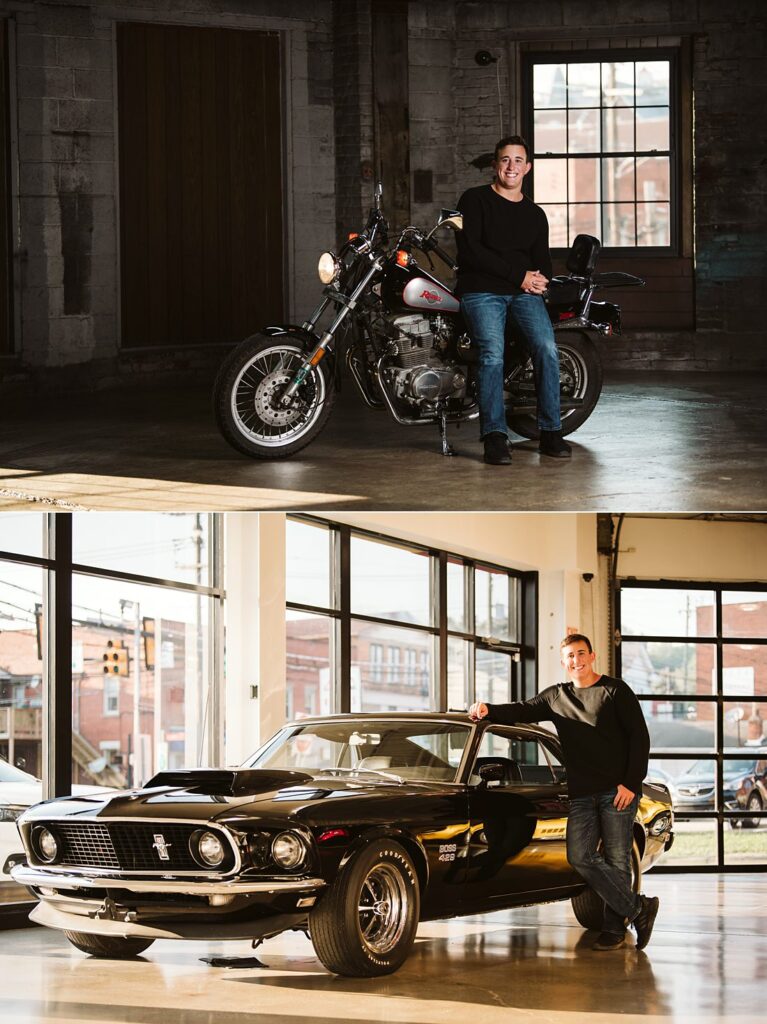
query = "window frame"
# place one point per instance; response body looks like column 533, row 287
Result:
column 339, row 611
column 59, row 570
column 718, row 754
column 675, row 56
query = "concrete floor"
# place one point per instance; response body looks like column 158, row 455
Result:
column 656, row 442
column 707, row 962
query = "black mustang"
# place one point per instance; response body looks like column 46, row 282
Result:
column 353, row 828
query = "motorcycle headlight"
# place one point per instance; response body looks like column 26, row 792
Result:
column 288, row 850
column 328, row 268
column 46, row 844
column 207, row 849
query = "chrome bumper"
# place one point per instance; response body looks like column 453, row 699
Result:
column 89, row 924
column 35, row 878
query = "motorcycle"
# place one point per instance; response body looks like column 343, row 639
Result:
column 399, row 331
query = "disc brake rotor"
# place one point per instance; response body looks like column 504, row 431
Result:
column 266, row 400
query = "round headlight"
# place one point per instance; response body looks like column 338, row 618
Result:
column 208, row 849
column 661, row 824
column 47, row 845
column 327, row 268
column 288, row 850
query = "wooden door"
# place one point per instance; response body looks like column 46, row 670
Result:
column 6, row 262
column 201, row 218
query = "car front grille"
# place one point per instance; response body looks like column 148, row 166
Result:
column 131, row 846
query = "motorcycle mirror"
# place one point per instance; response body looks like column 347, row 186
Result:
column 452, row 218
column 378, row 193
column 455, row 220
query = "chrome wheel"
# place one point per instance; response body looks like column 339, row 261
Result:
column 256, row 410
column 573, row 376
column 364, row 926
column 580, row 376
column 383, row 908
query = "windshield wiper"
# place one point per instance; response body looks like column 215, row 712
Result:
column 362, row 771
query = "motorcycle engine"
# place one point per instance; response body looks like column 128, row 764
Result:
column 418, row 368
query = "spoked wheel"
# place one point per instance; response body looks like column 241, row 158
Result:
column 365, row 924
column 589, row 909
column 580, row 376
column 248, row 393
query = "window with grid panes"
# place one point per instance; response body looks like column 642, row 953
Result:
column 603, row 140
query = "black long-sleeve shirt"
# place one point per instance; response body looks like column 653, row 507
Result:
column 501, row 240
column 602, row 729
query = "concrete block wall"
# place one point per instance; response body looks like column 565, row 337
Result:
column 432, row 54
column 66, row 239
column 66, row 243
column 353, row 109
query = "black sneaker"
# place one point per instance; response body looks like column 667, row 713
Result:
column 645, row 919
column 553, row 444
column 609, row 940
column 497, row 449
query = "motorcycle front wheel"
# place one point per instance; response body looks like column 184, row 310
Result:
column 247, row 394
column 580, row 376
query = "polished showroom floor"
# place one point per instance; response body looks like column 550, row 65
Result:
column 657, row 442
column 707, row 962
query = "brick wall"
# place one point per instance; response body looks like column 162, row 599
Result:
column 730, row 171
column 62, row 68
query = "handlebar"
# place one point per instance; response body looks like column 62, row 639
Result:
column 427, row 244
column 445, row 257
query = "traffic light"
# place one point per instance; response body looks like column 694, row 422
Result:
column 116, row 660
column 147, row 633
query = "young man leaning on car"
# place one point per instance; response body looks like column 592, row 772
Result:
column 605, row 747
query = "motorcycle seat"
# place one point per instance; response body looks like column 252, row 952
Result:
column 563, row 291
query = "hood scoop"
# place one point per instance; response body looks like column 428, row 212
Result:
column 228, row 781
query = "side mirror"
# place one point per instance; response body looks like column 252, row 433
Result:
column 492, row 774
column 452, row 218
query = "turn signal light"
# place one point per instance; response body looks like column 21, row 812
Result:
column 352, row 235
column 403, row 257
column 333, row 833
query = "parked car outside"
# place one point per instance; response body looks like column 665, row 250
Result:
column 695, row 788
column 18, row 791
column 751, row 795
column 351, row 828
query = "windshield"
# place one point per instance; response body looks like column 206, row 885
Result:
column 421, row 751
column 10, row 774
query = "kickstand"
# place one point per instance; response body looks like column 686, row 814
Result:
column 447, row 448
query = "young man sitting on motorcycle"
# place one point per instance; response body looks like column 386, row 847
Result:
column 504, row 235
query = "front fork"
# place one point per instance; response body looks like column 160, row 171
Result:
column 319, row 350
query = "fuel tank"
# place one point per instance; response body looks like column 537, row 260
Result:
column 406, row 288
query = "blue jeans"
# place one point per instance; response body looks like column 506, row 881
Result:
column 607, row 871
column 485, row 315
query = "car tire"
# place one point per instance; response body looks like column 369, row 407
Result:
column 589, row 909
column 353, row 939
column 113, row 947
column 754, row 804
